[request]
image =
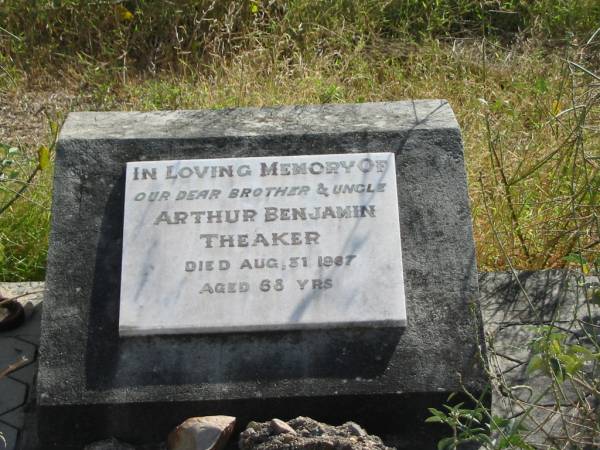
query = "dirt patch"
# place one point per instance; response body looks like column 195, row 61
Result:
column 24, row 115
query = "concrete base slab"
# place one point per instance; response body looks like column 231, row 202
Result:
column 509, row 325
column 17, row 390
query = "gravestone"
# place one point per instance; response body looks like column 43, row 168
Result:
column 258, row 263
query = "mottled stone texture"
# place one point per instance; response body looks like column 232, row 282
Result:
column 139, row 388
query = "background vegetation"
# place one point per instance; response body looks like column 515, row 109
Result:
column 523, row 78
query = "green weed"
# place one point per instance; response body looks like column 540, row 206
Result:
column 25, row 187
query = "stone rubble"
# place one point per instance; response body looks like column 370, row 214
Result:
column 304, row 433
column 279, row 427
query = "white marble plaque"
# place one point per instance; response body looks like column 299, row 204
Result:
column 220, row 245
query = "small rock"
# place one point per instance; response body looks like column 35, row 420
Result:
column 252, row 425
column 201, row 433
column 355, row 429
column 280, row 427
column 109, row 444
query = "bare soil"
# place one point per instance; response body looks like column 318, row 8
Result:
column 24, row 114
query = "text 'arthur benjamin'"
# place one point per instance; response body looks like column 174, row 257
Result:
column 271, row 214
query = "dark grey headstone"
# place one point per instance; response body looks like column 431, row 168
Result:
column 138, row 388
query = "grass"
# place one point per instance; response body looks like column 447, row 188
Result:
column 24, row 235
column 532, row 175
column 529, row 117
column 24, row 210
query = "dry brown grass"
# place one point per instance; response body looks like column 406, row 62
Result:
column 531, row 158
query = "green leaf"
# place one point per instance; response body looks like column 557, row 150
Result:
column 455, row 407
column 571, row 364
column 43, row 157
column 582, row 352
column 436, row 412
column 541, row 85
column 499, row 422
column 555, row 346
column 53, row 128
column 575, row 258
column 535, row 363
column 557, row 369
column 434, row 419
column 446, row 443
column 473, row 416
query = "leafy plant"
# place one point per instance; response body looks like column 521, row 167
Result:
column 24, row 211
column 9, row 174
column 565, row 356
column 553, row 356
column 476, row 425
column 12, row 169
column 467, row 425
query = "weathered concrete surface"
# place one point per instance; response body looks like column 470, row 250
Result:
column 109, row 444
column 17, row 390
column 513, row 308
column 140, row 388
column 299, row 121
column 508, row 322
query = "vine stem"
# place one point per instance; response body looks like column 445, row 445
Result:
column 20, row 191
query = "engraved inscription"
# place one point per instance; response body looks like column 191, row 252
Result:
column 261, row 243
